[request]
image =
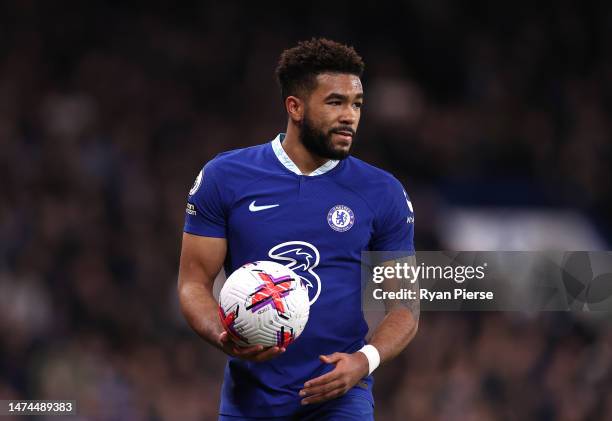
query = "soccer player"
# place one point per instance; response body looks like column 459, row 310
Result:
column 301, row 198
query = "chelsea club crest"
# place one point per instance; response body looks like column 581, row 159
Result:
column 340, row 218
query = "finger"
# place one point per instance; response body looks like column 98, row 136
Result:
column 325, row 378
column 226, row 343
column 268, row 354
column 324, row 396
column 330, row 359
column 317, row 390
column 246, row 351
column 226, row 338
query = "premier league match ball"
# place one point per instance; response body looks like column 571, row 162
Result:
column 264, row 303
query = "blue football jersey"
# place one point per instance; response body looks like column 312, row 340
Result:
column 318, row 225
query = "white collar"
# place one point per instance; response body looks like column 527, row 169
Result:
column 282, row 156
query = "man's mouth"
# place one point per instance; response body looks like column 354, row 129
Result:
column 345, row 135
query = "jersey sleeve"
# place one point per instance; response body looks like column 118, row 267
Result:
column 206, row 207
column 394, row 223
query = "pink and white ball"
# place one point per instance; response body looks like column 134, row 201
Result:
column 264, row 303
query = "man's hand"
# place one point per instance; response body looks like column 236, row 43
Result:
column 350, row 368
column 255, row 353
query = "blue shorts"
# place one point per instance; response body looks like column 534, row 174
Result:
column 344, row 408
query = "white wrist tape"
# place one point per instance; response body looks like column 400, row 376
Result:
column 372, row 355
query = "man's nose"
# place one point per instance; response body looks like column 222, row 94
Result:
column 349, row 116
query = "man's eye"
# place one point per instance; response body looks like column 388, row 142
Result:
column 335, row 102
column 358, row 104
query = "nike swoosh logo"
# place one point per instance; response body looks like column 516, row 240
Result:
column 255, row 208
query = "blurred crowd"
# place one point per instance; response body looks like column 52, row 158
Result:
column 108, row 111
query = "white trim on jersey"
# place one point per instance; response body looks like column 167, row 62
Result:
column 290, row 165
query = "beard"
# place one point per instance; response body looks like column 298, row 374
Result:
column 320, row 143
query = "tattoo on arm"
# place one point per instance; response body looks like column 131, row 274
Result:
column 407, row 284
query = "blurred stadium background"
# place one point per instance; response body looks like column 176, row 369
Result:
column 495, row 115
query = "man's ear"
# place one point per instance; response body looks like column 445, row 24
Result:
column 295, row 108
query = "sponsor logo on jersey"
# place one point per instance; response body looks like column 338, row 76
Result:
column 191, row 210
column 340, row 218
column 302, row 258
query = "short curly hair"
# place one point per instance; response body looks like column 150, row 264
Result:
column 299, row 66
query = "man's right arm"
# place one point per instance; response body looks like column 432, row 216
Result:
column 201, row 261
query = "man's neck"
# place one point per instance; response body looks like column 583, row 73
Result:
column 306, row 161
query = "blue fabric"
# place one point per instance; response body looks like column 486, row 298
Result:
column 344, row 408
column 319, row 229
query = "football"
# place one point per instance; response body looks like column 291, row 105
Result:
column 264, row 303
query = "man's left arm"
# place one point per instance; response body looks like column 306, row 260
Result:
column 401, row 322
